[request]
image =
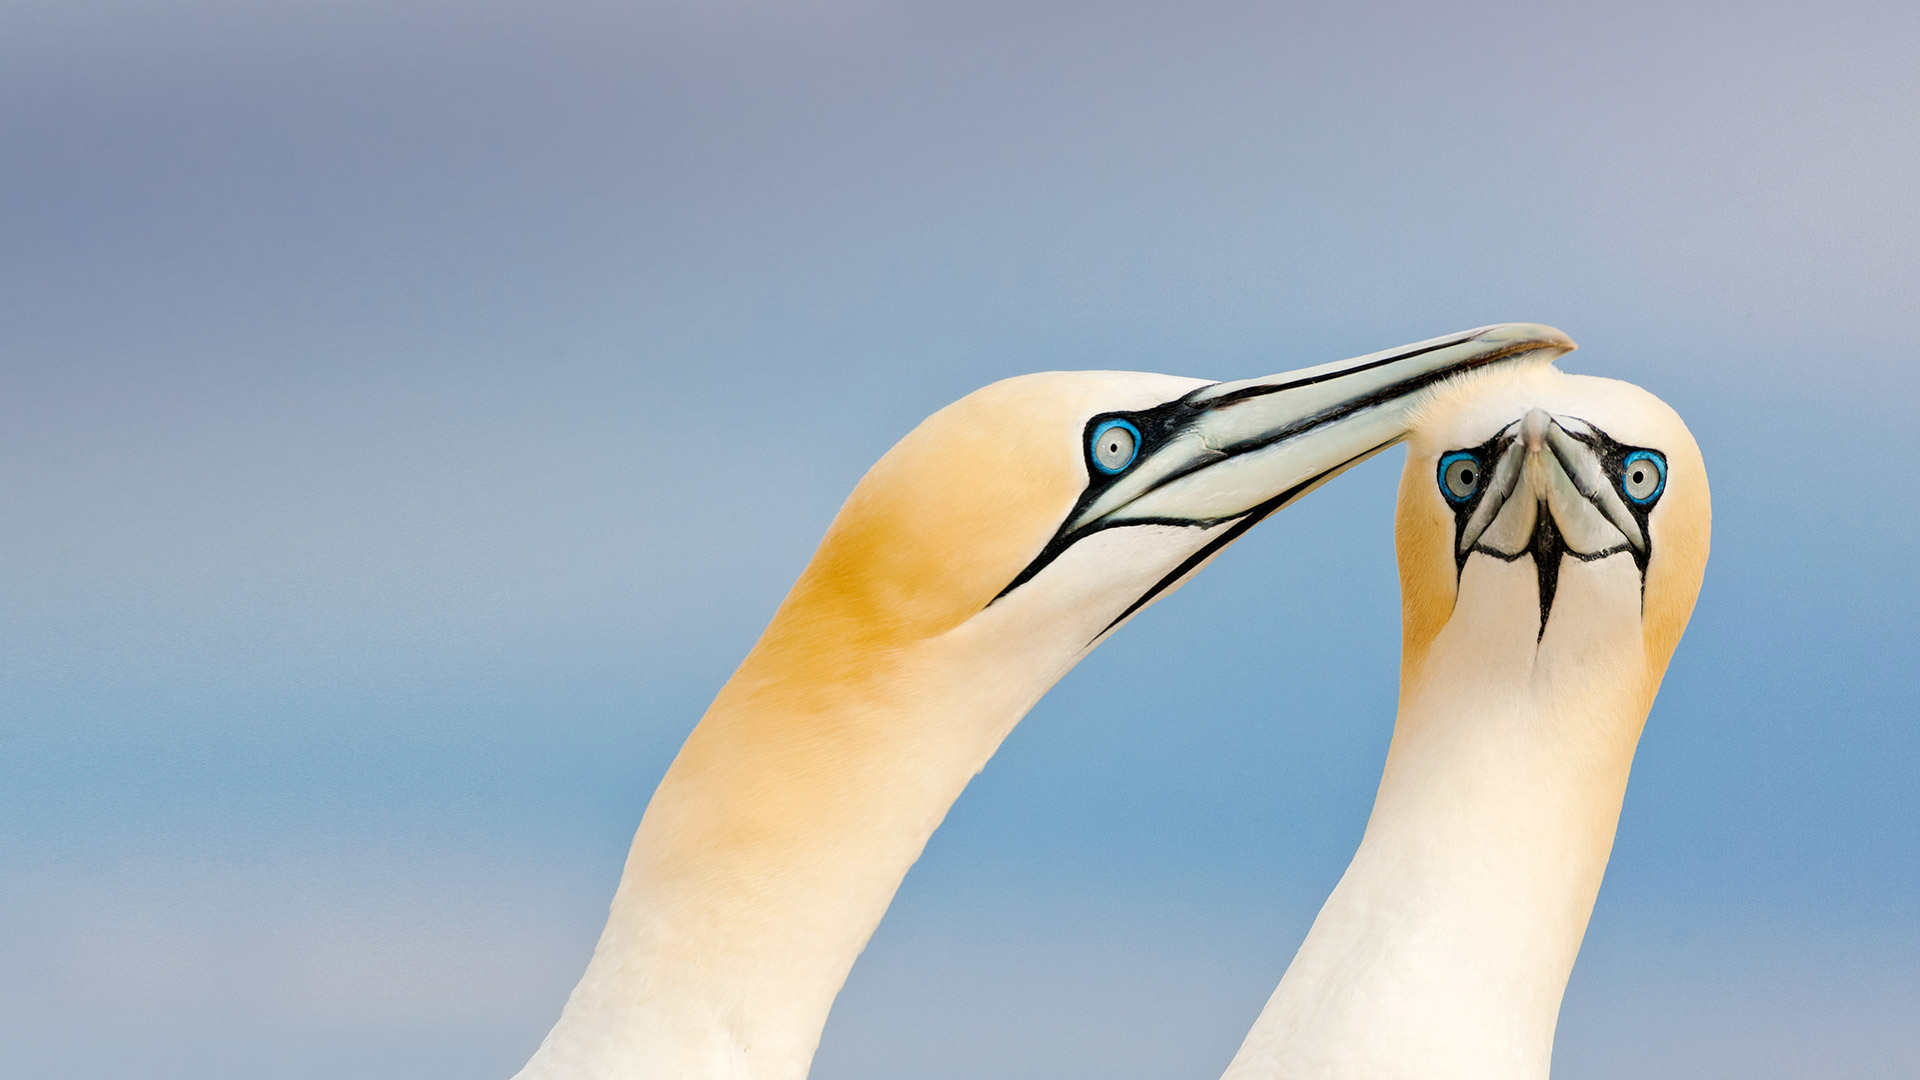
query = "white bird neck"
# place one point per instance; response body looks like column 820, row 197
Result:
column 1445, row 949
column 777, row 839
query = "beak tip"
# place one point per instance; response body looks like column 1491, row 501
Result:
column 1534, row 427
column 1539, row 335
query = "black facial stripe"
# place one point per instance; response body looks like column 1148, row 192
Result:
column 1547, row 545
column 1346, row 408
column 1488, row 453
column 1583, row 556
column 1546, row 549
column 1239, row 528
column 1156, row 426
column 1162, row 422
column 1613, row 460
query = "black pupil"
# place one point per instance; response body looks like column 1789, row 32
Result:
column 1638, row 476
column 1466, row 475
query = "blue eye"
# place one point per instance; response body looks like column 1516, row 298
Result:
column 1643, row 476
column 1460, row 476
column 1114, row 445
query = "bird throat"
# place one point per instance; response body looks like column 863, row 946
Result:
column 1547, row 547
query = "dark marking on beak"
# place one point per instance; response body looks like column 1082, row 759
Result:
column 1233, row 532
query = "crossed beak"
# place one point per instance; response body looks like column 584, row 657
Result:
column 1250, row 447
column 1230, row 454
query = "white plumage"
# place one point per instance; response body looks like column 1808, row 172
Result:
column 985, row 554
column 1541, row 608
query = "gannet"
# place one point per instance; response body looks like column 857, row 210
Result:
column 985, row 554
column 1552, row 531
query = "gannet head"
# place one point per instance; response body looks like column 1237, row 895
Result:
column 1063, row 503
column 974, row 563
column 1546, row 517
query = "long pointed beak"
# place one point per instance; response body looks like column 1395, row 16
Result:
column 1229, row 454
column 1253, row 446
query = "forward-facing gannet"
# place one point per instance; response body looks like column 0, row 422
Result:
column 1552, row 532
column 984, row 555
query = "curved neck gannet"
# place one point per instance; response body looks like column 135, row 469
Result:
column 983, row 555
column 1552, row 532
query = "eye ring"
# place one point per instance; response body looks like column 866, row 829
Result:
column 1113, row 446
column 1643, row 476
column 1460, row 476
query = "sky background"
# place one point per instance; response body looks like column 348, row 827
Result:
column 409, row 414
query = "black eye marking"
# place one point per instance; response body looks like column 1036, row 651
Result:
column 1638, row 473
column 1479, row 459
column 1150, row 429
column 1154, row 426
column 1212, row 547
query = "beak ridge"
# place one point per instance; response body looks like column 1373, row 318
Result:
column 1247, row 442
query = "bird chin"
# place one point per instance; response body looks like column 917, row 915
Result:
column 1555, row 529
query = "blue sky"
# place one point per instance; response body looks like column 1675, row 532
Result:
column 411, row 417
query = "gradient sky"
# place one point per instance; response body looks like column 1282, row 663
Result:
column 411, row 416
